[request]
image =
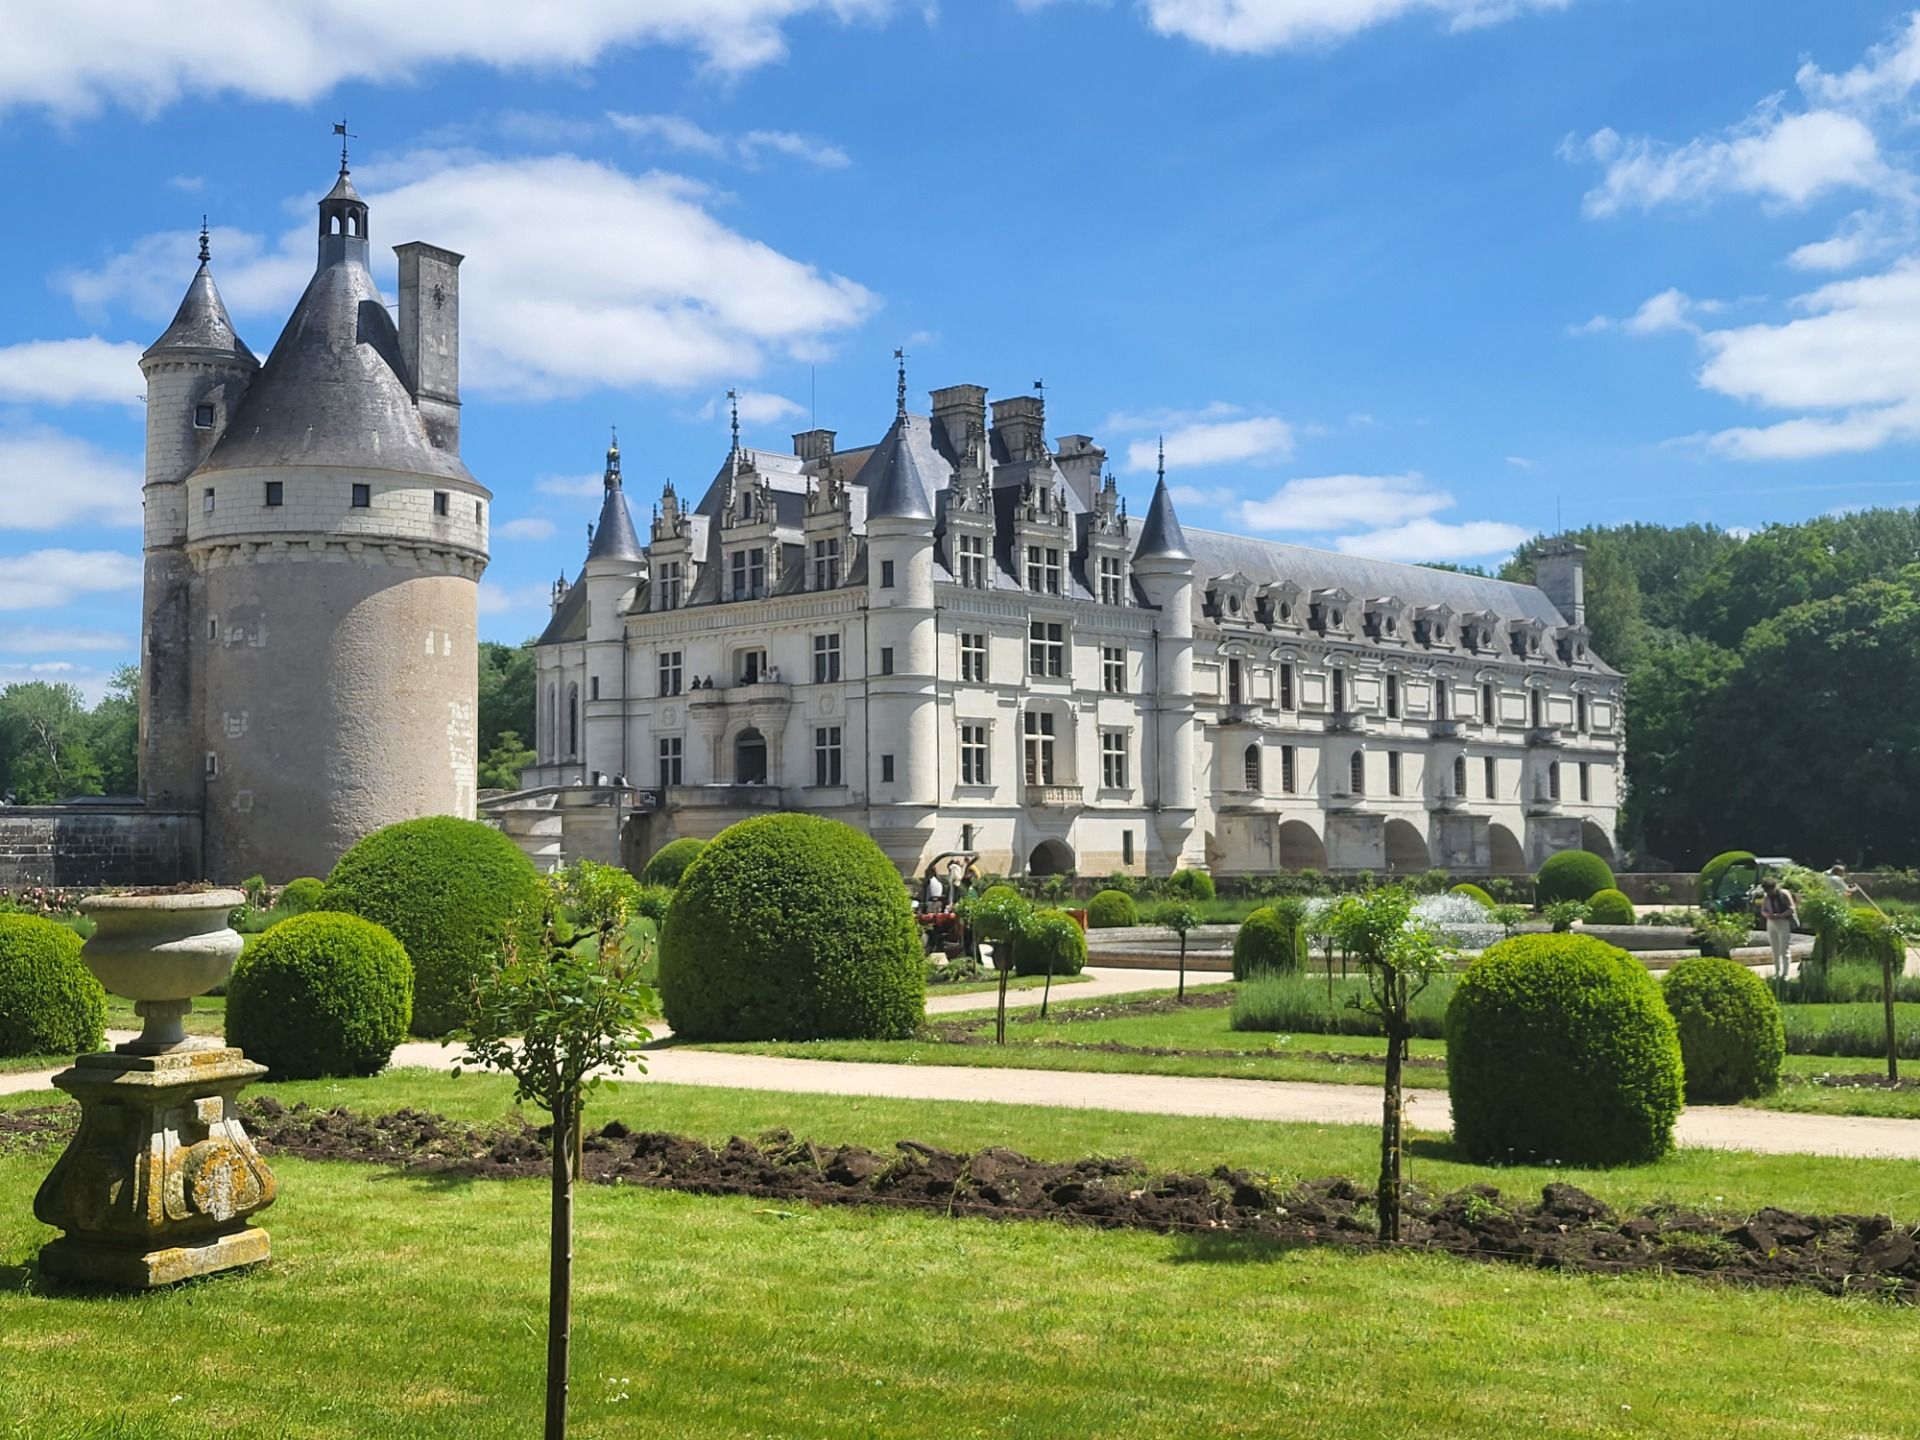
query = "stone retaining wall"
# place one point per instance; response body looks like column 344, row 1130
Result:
column 86, row 846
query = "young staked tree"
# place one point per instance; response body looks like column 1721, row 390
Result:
column 1399, row 956
column 561, row 1018
column 997, row 917
column 1179, row 916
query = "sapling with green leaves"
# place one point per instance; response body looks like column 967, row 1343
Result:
column 562, row 1017
column 1179, row 916
column 1563, row 915
column 997, row 917
column 1399, row 955
column 1509, row 917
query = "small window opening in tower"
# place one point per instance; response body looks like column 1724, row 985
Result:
column 276, row 493
column 440, row 502
column 206, row 502
column 362, row 496
column 203, row 417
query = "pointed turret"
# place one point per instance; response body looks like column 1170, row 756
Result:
column 201, row 323
column 1161, row 536
column 614, row 537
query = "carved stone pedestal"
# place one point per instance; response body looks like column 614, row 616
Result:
column 159, row 1181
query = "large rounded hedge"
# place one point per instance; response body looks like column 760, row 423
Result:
column 792, row 927
column 302, row 895
column 1732, row 1039
column 1559, row 1048
column 1571, row 875
column 1711, row 872
column 1610, row 907
column 321, row 994
column 670, row 861
column 50, row 1004
column 1474, row 893
column 1111, row 909
column 1050, row 943
column 1190, row 885
column 1267, row 943
column 453, row 892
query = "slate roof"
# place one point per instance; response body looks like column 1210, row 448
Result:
column 1161, row 535
column 904, row 472
column 569, row 622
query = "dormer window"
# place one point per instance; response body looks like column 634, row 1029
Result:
column 203, row 417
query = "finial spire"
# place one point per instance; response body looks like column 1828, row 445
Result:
column 1163, row 459
column 900, row 388
column 205, row 253
column 733, row 404
column 613, row 460
column 340, row 129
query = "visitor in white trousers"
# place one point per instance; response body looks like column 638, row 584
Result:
column 1778, row 908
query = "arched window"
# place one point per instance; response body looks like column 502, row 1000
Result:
column 1460, row 775
column 750, row 758
column 1253, row 768
column 551, row 741
column 1357, row 774
column 573, row 722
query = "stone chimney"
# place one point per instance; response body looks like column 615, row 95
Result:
column 959, row 416
column 814, row 444
column 1081, row 461
column 1560, row 569
column 429, row 323
column 1020, row 426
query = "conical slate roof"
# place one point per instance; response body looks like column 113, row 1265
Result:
column 614, row 537
column 201, row 323
column 1161, row 537
column 903, row 471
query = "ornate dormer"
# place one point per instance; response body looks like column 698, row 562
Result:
column 970, row 514
column 1524, row 638
column 1227, row 599
column 1329, row 610
column 679, row 542
column 1433, row 626
column 828, row 531
column 1043, row 543
column 1477, row 630
column 1109, row 543
column 1277, row 603
column 1386, row 619
column 1572, row 643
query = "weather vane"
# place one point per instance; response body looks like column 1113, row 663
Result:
column 340, row 129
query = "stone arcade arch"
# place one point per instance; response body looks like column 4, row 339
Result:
column 750, row 758
column 1051, row 856
column 1407, row 852
column 1300, row 847
column 1504, row 855
column 1595, row 839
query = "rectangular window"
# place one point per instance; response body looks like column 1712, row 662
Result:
column 1043, row 569
column 1487, row 716
column 886, row 769
column 1490, row 775
column 826, row 564
column 1113, row 585
column 669, row 586
column 1038, row 728
column 479, row 512
column 276, row 493
column 213, row 764
column 973, row 657
column 1586, row 781
column 1553, row 781
column 886, row 574
column 203, row 417
column 973, row 755
column 826, row 659
column 1047, row 649
column 973, row 561
column 670, row 761
column 1339, row 692
column 1286, row 687
column 213, row 629
column 1113, row 669
column 886, row 660
column 1113, row 759
column 670, row 668
column 1126, row 847
column 362, row 496
column 751, row 666
column 593, row 687
column 1393, row 697
column 826, row 755
column 749, row 574
column 206, row 502
column 1393, row 772
column 441, row 500
column 1287, row 771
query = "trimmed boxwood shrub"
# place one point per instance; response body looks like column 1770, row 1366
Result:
column 1111, row 909
column 1268, row 943
column 50, row 1004
column 1711, row 872
column 1475, row 893
column 1050, row 937
column 652, row 901
column 792, row 927
column 1559, row 1048
column 670, row 862
column 1609, row 907
column 1732, row 1039
column 302, row 895
column 1571, row 875
column 321, row 994
column 1190, row 885
column 453, row 892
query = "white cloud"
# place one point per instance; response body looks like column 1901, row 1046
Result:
column 1196, row 496
column 15, row 640
column 624, row 281
column 1418, row 540
column 1340, row 502
column 528, row 527
column 1658, row 314
column 1520, row 462
column 1128, row 422
column 42, row 579
column 756, row 143
column 571, row 486
column 66, row 372
column 1263, row 439
column 514, row 599
column 757, row 407
column 677, row 132
column 80, row 55
column 49, row 480
column 1886, row 75
column 1261, row 27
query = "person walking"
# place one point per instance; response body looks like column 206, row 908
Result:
column 1778, row 907
column 1837, row 879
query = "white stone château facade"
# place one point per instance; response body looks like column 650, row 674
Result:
column 956, row 638
column 313, row 550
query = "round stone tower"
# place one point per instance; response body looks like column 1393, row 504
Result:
column 335, row 542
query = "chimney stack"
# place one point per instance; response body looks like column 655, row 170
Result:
column 430, row 337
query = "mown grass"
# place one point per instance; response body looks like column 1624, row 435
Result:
column 404, row 1307
column 1017, row 982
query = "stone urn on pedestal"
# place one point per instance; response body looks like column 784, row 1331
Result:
column 160, row 1178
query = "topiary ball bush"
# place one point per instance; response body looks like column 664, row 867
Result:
column 1711, row 872
column 1190, row 885
column 1610, row 907
column 1560, row 1049
column 1475, row 893
column 1732, row 1038
column 670, row 862
column 1267, row 944
column 1111, row 909
column 651, row 901
column 302, row 895
column 50, row 1004
column 453, row 893
column 792, row 927
column 1050, row 938
column 321, row 994
column 1571, row 875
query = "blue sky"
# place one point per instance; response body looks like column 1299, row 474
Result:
column 1414, row 278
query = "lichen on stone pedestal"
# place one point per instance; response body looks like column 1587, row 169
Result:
column 160, row 1179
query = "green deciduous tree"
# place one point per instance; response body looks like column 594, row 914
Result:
column 45, row 747
column 507, row 682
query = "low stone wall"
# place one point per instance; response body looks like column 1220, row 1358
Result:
column 87, row 846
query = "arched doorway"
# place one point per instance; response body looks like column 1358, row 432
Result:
column 1300, row 847
column 1051, row 857
column 750, row 758
column 1406, row 849
column 1504, row 855
column 1594, row 839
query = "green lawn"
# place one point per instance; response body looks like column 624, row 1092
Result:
column 1018, row 982
column 408, row 1307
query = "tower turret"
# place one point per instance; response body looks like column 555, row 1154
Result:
column 615, row 566
column 1163, row 566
